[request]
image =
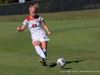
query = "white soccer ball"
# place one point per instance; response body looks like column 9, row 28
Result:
column 61, row 62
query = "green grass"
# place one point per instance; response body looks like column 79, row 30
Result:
column 76, row 40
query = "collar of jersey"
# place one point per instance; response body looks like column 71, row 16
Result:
column 29, row 18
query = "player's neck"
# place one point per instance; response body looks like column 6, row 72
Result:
column 35, row 17
column 32, row 17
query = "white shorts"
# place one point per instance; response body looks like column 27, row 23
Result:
column 39, row 36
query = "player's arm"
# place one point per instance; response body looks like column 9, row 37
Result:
column 46, row 27
column 21, row 29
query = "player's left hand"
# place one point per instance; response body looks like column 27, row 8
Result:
column 49, row 33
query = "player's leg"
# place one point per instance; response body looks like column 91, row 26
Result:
column 40, row 52
column 44, row 40
column 44, row 47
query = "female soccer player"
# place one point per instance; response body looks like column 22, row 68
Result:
column 39, row 37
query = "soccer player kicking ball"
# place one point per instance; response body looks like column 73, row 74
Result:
column 39, row 37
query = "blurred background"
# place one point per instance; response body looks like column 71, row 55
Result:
column 18, row 7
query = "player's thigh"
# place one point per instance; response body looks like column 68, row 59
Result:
column 36, row 43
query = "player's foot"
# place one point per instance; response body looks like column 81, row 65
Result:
column 44, row 64
column 43, row 61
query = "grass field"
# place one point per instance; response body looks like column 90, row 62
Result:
column 76, row 40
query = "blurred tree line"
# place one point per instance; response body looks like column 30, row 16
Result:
column 7, row 1
column 10, row 1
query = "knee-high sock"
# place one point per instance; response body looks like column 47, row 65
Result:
column 40, row 52
column 45, row 52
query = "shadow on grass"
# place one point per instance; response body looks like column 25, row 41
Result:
column 77, row 61
column 68, row 62
column 63, row 68
column 53, row 64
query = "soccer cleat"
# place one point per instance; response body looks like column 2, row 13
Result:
column 43, row 61
column 44, row 64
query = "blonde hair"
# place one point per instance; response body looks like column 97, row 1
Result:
column 36, row 6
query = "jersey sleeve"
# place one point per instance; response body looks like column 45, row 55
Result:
column 41, row 19
column 25, row 22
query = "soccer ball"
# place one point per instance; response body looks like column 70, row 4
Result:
column 61, row 62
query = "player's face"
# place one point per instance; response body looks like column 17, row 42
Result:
column 33, row 12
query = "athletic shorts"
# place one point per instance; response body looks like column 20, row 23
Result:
column 39, row 36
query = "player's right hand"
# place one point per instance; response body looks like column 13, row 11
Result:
column 18, row 28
